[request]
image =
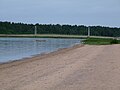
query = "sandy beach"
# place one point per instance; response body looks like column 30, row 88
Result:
column 82, row 67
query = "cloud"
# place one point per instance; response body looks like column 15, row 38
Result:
column 88, row 12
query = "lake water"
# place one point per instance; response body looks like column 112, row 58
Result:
column 18, row 48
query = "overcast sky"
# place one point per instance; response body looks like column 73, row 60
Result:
column 80, row 12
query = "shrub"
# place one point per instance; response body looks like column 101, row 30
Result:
column 114, row 41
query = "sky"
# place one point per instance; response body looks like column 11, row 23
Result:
column 80, row 12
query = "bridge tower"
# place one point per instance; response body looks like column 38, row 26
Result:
column 88, row 31
column 35, row 32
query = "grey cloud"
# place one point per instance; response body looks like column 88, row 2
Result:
column 87, row 12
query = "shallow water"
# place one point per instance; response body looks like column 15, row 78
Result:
column 18, row 48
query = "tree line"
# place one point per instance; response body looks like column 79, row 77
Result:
column 21, row 28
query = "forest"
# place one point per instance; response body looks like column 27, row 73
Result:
column 21, row 28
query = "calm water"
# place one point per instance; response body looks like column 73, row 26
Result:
column 18, row 48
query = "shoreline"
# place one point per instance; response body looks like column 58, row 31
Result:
column 40, row 56
column 87, row 67
column 40, row 52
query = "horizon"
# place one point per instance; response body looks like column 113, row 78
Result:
column 60, row 24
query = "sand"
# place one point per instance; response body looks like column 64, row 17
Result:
column 88, row 67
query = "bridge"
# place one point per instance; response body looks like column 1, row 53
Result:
column 53, row 36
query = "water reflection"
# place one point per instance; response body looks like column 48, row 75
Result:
column 17, row 48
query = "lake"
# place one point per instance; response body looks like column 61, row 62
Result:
column 18, row 48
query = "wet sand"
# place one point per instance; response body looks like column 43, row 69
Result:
column 88, row 67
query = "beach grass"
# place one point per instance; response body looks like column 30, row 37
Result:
column 101, row 41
